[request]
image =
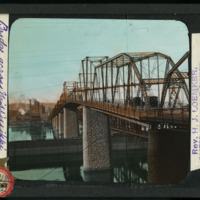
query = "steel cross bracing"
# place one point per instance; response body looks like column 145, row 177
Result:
column 139, row 81
column 124, row 72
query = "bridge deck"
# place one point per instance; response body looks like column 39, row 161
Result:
column 178, row 116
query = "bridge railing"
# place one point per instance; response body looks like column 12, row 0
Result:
column 156, row 114
column 170, row 115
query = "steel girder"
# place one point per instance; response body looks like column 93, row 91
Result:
column 130, row 60
column 169, row 75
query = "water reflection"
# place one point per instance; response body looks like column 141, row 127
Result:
column 97, row 176
column 72, row 173
column 30, row 131
column 49, row 174
column 128, row 167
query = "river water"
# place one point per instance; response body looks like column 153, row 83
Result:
column 129, row 166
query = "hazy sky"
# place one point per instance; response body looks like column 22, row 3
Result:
column 43, row 53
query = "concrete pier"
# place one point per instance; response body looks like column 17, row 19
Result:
column 96, row 140
column 70, row 123
column 168, row 155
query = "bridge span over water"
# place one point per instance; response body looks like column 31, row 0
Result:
column 145, row 94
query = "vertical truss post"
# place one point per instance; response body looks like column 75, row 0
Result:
column 124, row 83
column 169, row 103
column 98, row 84
column 166, row 71
column 158, row 73
column 83, row 77
column 148, row 69
column 141, row 88
column 170, row 97
column 131, row 83
column 149, row 73
column 90, row 81
column 91, row 73
column 81, row 86
column 116, row 81
column 128, row 86
column 135, row 87
column 78, row 90
column 112, row 92
column 86, row 79
column 106, row 81
column 75, row 89
column 177, row 95
column 93, row 89
column 102, row 77
column 166, row 68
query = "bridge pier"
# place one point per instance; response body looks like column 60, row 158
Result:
column 56, row 126
column 60, row 125
column 168, row 155
column 53, row 121
column 70, row 123
column 96, row 140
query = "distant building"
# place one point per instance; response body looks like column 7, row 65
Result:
column 43, row 114
column 14, row 115
column 34, row 109
column 42, row 110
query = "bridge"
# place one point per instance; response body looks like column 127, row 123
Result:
column 144, row 94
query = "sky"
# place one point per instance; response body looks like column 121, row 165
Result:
column 43, row 53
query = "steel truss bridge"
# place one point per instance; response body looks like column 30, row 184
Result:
column 139, row 91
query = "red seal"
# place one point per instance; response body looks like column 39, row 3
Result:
column 6, row 182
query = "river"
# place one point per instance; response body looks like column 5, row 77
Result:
column 128, row 166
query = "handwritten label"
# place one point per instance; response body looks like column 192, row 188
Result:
column 4, row 30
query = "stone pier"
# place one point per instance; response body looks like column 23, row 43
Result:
column 60, row 130
column 168, row 155
column 96, row 140
column 56, row 126
column 71, row 125
column 53, row 122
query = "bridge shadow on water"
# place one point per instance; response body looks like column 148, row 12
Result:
column 128, row 166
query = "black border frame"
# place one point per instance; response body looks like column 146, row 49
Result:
column 188, row 13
